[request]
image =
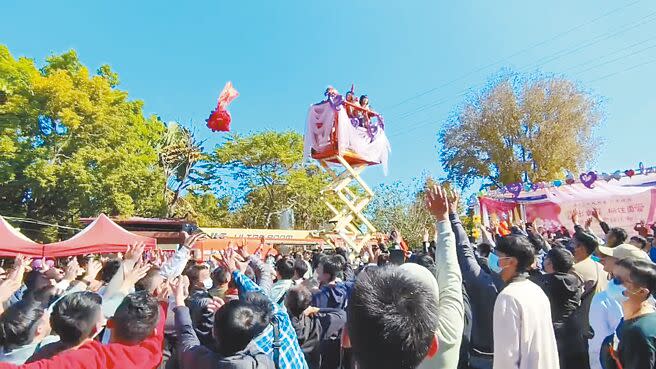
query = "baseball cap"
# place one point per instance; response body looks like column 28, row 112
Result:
column 623, row 251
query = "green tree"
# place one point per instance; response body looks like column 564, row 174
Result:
column 72, row 145
column 179, row 153
column 401, row 206
column 520, row 129
column 266, row 175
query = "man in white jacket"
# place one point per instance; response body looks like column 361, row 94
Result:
column 523, row 332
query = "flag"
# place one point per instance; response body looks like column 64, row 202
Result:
column 220, row 118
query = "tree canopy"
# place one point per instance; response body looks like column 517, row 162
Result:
column 264, row 173
column 72, row 145
column 401, row 205
column 520, row 129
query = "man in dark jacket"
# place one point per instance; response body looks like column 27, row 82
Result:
column 236, row 323
column 484, row 286
column 564, row 291
column 333, row 295
column 308, row 328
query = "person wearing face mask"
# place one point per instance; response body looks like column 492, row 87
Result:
column 564, row 289
column 200, row 281
column 605, row 309
column 523, row 332
column 633, row 346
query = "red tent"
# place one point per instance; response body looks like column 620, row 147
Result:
column 101, row 236
column 13, row 242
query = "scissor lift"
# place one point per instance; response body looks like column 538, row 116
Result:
column 352, row 195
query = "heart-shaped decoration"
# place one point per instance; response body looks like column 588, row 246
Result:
column 617, row 175
column 606, row 177
column 527, row 187
column 588, row 179
column 535, row 186
column 570, row 181
column 514, row 188
column 558, row 183
column 629, row 173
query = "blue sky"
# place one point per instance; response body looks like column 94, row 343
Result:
column 415, row 59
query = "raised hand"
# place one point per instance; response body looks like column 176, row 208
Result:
column 588, row 223
column 133, row 275
column 163, row 291
column 92, row 270
column 437, row 202
column 242, row 248
column 71, row 269
column 454, row 200
column 180, row 290
column 596, row 213
column 190, row 241
column 216, row 304
column 575, row 217
column 134, row 252
column 8, row 287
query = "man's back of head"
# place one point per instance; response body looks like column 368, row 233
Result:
column 135, row 318
column 76, row 317
column 392, row 319
column 239, row 321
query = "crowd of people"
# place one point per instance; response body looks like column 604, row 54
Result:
column 527, row 299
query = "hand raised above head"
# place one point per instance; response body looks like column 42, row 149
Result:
column 437, row 202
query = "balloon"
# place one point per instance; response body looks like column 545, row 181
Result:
column 558, row 183
column 514, row 188
column 588, row 179
column 606, row 177
column 527, row 187
column 629, row 173
column 617, row 175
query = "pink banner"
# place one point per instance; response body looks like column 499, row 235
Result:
column 618, row 211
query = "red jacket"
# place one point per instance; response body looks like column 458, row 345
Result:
column 94, row 355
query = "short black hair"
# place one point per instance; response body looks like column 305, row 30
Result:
column 300, row 267
column 519, row 247
column 285, row 267
column 220, row 276
column 392, row 319
column 426, row 261
column 640, row 240
column 343, row 252
column 586, row 240
column 642, row 272
column 75, row 315
column 109, row 269
column 383, row 260
column 239, row 321
column 193, row 273
column 297, row 300
column 135, row 318
column 484, row 249
column 561, row 259
column 147, row 282
column 619, row 234
column 19, row 322
column 332, row 265
column 35, row 280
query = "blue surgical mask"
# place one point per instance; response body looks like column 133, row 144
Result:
column 615, row 291
column 595, row 258
column 493, row 263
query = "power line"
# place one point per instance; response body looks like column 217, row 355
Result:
column 624, row 70
column 597, row 40
column 557, row 36
column 38, row 222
